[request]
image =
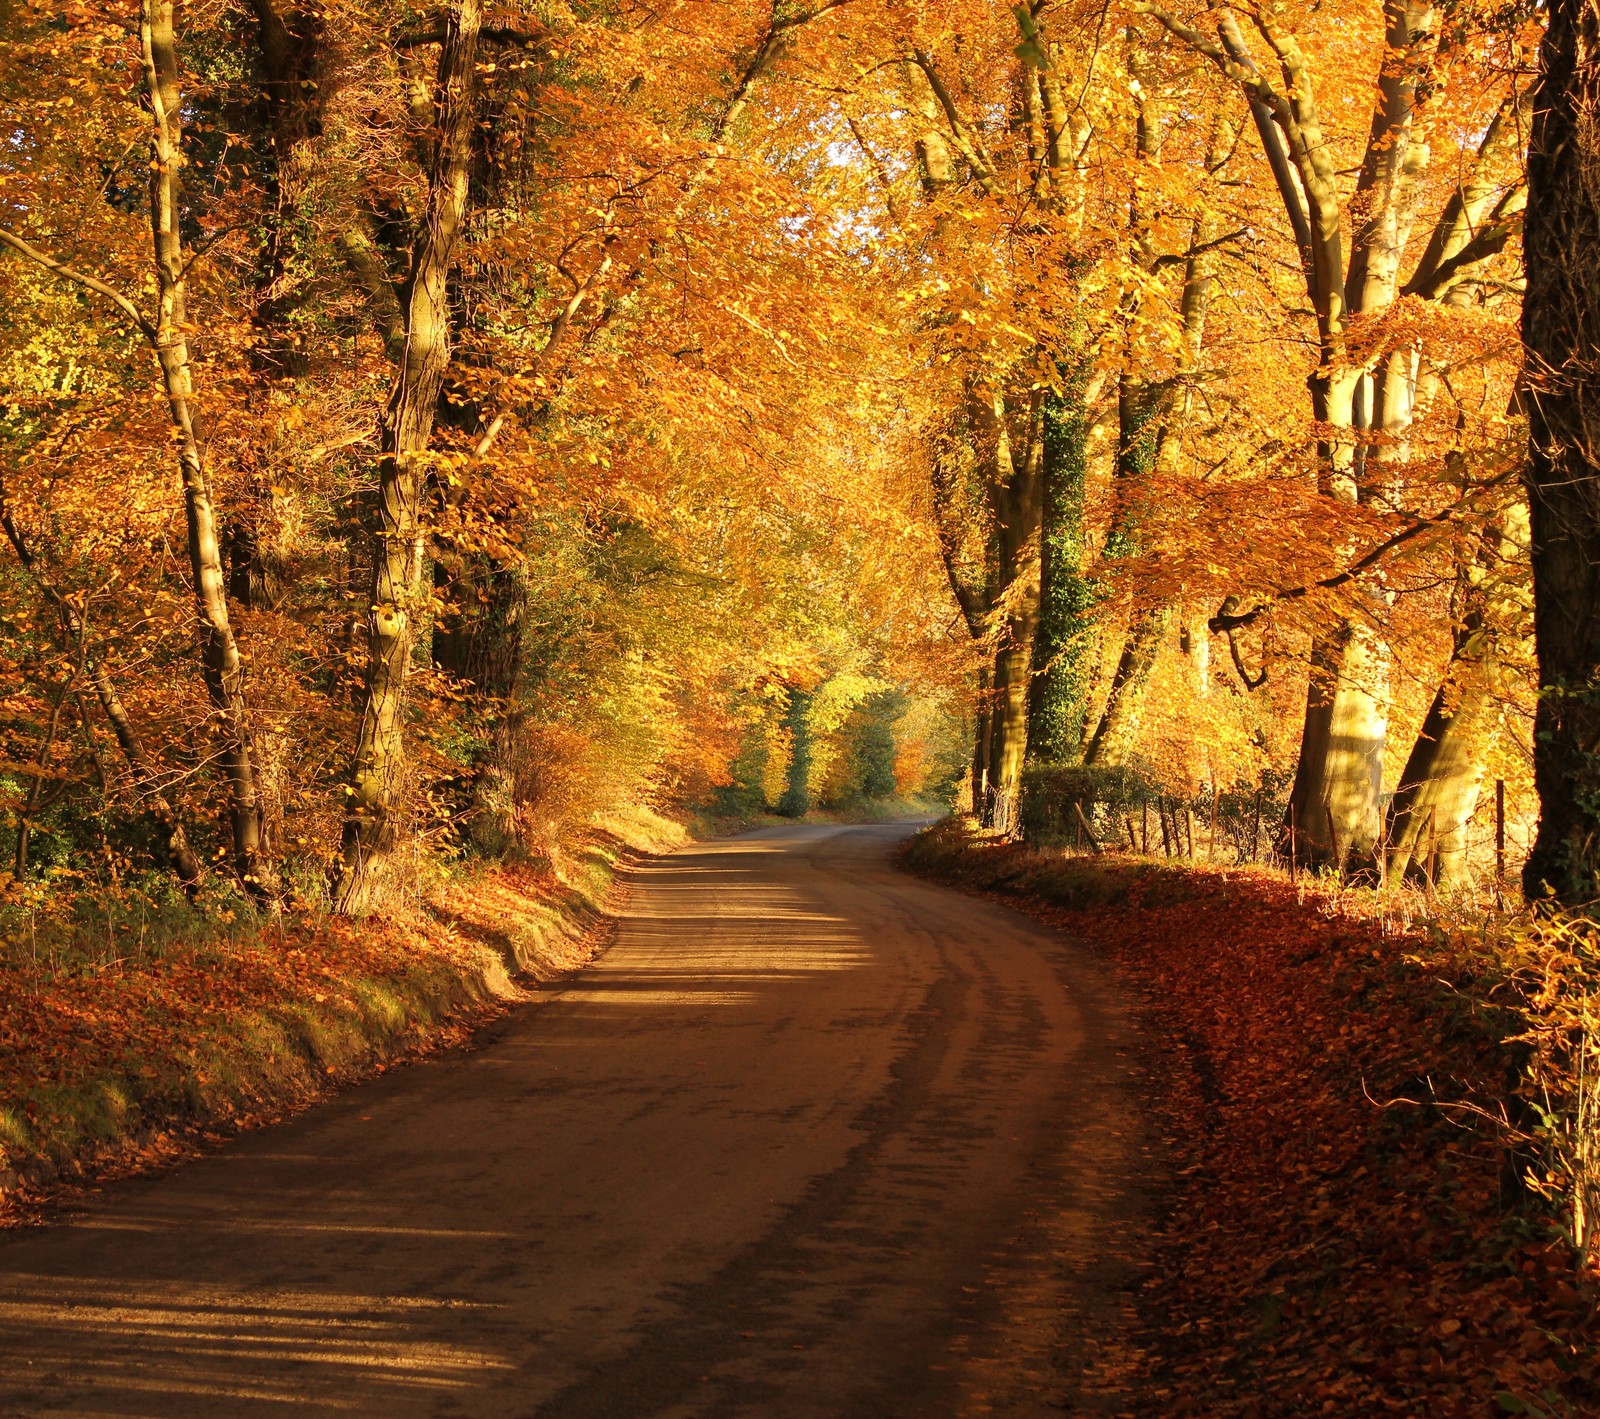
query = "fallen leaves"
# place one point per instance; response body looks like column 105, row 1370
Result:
column 106, row 1073
column 1339, row 1239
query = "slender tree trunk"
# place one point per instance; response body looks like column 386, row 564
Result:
column 1017, row 499
column 378, row 770
column 1561, row 329
column 1445, row 770
column 1439, row 786
column 1149, row 419
column 221, row 664
column 1113, row 738
column 982, row 742
column 33, row 802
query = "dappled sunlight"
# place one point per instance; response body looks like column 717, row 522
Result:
column 665, row 958
column 123, row 1223
column 717, row 938
column 166, row 1340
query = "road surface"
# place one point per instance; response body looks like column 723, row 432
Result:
column 811, row 1140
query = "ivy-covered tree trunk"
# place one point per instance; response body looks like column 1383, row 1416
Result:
column 1561, row 329
column 1058, row 702
column 796, row 800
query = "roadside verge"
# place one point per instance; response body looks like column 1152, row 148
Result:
column 1348, row 1231
column 157, row 1050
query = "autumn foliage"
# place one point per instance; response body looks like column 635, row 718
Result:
column 432, row 434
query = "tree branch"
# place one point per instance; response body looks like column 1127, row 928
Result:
column 1228, row 621
column 89, row 283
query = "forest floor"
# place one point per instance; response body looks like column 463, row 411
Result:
column 1344, row 1232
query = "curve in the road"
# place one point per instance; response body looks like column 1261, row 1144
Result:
column 811, row 1140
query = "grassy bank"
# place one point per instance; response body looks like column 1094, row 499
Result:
column 1366, row 1212
column 134, row 1042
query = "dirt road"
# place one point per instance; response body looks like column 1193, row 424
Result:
column 812, row 1140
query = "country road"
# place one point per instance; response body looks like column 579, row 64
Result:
column 811, row 1140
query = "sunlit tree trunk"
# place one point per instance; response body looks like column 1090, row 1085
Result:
column 1561, row 329
column 1333, row 815
column 221, row 664
column 377, row 779
column 1438, row 789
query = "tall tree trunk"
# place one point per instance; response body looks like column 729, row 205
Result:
column 1438, row 789
column 1058, row 701
column 1149, row 418
column 1113, row 738
column 1334, row 814
column 1009, row 724
column 378, row 769
column 1561, row 329
column 221, row 664
column 982, row 742
column 1016, row 491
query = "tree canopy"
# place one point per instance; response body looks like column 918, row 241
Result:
column 426, row 428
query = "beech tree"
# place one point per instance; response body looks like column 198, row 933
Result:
column 1363, row 387
column 554, row 394
column 1561, row 326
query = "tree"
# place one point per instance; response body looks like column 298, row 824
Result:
column 1561, row 328
column 1362, row 384
column 168, row 335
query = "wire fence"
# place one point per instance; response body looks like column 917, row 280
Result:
column 1125, row 810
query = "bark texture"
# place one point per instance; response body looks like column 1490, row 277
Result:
column 221, row 664
column 1561, row 329
column 1015, row 494
column 1439, row 786
column 1065, row 636
column 1333, row 813
column 377, row 780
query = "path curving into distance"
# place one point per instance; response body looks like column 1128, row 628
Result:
column 811, row 1140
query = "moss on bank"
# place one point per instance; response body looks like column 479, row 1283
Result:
column 105, row 1067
